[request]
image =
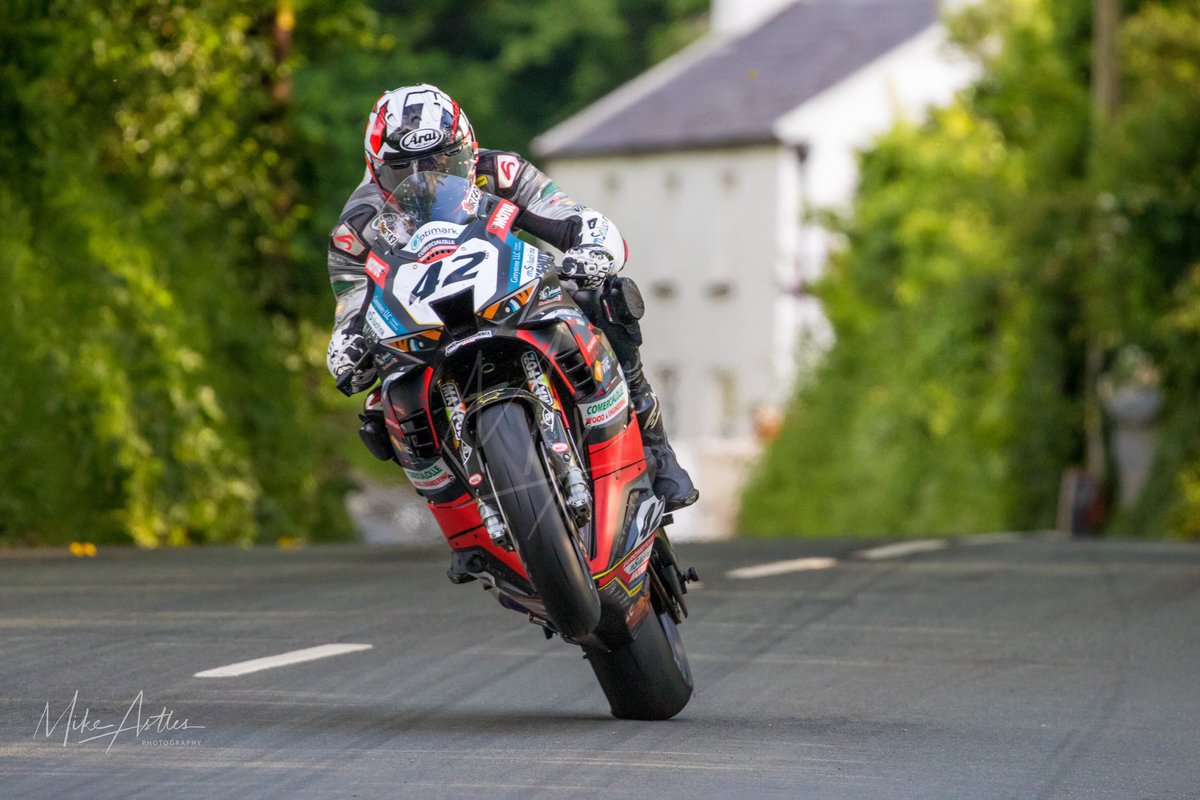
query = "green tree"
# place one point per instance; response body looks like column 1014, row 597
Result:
column 156, row 368
column 988, row 250
column 171, row 174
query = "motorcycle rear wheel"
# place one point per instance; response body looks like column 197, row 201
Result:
column 649, row 678
column 535, row 520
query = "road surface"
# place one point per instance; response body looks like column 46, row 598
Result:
column 1014, row 667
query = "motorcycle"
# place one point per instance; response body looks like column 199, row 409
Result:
column 509, row 413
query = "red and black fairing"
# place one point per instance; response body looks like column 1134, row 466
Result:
column 581, row 411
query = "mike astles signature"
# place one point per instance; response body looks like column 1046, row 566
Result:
column 87, row 728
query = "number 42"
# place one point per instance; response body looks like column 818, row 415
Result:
column 431, row 281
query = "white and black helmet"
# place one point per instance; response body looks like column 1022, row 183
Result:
column 418, row 128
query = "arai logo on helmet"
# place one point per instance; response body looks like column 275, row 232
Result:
column 421, row 139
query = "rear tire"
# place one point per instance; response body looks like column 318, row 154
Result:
column 535, row 520
column 649, row 678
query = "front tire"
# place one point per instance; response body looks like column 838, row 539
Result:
column 649, row 678
column 535, row 520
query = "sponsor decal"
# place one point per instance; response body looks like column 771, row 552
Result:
column 598, row 371
column 607, row 408
column 475, row 479
column 457, row 413
column 529, row 363
column 515, row 264
column 376, row 328
column 501, row 221
column 471, row 203
column 539, row 384
column 507, row 168
column 346, row 240
column 431, row 232
column 550, row 293
column 388, row 225
column 377, row 270
column 560, row 447
column 648, row 517
column 379, row 307
column 530, row 268
column 431, row 478
column 472, row 338
column 636, row 563
column 421, row 139
column 597, row 234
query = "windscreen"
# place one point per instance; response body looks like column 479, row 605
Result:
column 436, row 197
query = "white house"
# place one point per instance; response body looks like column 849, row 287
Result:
column 708, row 164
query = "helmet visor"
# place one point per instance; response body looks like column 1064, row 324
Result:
column 458, row 160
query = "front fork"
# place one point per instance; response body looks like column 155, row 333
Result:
column 456, row 414
column 564, row 461
column 560, row 453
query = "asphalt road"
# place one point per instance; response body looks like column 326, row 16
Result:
column 1035, row 668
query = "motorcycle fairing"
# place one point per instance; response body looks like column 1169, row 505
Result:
column 485, row 264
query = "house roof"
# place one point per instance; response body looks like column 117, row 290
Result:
column 731, row 92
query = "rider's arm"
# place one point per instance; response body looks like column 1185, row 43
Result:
column 547, row 211
column 349, row 244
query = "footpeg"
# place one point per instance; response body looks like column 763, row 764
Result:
column 459, row 578
column 461, row 568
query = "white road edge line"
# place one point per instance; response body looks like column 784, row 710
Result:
column 282, row 660
column 902, row 549
column 989, row 538
column 782, row 567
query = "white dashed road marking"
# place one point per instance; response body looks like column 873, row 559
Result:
column 781, row 567
column 902, row 549
column 282, row 660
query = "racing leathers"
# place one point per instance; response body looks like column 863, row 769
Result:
column 594, row 252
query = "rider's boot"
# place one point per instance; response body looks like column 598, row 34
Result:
column 671, row 481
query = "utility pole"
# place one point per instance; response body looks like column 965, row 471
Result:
column 1105, row 88
column 1106, row 17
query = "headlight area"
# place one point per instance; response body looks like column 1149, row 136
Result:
column 415, row 342
column 505, row 307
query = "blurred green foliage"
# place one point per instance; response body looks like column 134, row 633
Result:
column 987, row 248
column 171, row 173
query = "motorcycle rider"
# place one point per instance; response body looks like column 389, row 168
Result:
column 420, row 128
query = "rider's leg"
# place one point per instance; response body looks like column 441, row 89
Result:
column 616, row 310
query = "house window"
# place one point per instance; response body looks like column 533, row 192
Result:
column 662, row 290
column 726, row 385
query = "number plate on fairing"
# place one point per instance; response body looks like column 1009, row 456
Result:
column 477, row 264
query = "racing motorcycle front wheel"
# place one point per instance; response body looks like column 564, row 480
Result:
column 535, row 519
